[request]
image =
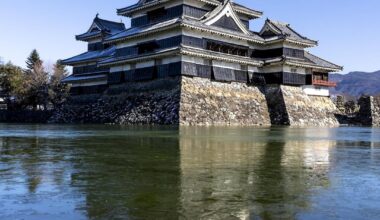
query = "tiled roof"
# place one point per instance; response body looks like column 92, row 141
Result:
column 309, row 60
column 220, row 56
column 89, row 35
column 180, row 21
column 105, row 27
column 84, row 78
column 284, row 30
column 90, row 56
column 112, row 60
column 140, row 4
column 243, row 9
column 140, row 30
column 321, row 62
column 110, row 26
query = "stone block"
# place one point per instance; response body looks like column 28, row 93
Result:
column 290, row 105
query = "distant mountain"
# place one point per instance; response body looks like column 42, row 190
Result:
column 355, row 84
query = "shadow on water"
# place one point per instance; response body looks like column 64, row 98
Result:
column 111, row 172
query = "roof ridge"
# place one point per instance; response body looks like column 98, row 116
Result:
column 110, row 21
column 274, row 25
column 279, row 22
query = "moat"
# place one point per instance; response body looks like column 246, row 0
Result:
column 135, row 172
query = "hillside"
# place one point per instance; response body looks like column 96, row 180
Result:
column 356, row 83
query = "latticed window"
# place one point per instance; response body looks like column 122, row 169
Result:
column 226, row 48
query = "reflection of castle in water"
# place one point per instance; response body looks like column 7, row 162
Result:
column 229, row 179
column 205, row 173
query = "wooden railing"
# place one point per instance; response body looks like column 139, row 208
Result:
column 324, row 83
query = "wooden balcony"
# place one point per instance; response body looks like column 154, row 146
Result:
column 324, row 83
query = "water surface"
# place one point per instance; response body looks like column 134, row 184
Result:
column 112, row 172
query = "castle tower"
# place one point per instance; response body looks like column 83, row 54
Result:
column 88, row 77
column 208, row 46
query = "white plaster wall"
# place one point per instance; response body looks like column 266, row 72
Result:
column 235, row 66
column 145, row 64
column 299, row 69
column 97, row 40
column 316, row 91
column 293, row 46
column 120, row 68
column 271, row 69
column 278, row 45
column 254, row 69
column 191, row 59
column 282, row 68
column 168, row 60
column 89, row 83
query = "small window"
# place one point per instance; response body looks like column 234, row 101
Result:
column 293, row 70
column 147, row 47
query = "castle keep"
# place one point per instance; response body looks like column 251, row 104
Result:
column 198, row 61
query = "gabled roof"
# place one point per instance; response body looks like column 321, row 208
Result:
column 198, row 25
column 284, row 31
column 224, row 10
column 90, row 56
column 101, row 27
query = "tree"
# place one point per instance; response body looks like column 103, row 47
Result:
column 37, row 86
column 33, row 60
column 12, row 84
column 58, row 91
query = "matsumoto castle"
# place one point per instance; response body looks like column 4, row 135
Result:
column 196, row 38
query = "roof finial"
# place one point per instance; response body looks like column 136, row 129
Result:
column 97, row 15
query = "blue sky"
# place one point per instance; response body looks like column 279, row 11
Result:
column 347, row 30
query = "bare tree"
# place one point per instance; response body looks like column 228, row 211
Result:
column 37, row 86
column 58, row 91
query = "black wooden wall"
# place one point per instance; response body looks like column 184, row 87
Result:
column 277, row 52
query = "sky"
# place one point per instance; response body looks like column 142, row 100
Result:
column 347, row 30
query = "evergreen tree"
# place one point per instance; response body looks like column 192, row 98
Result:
column 13, row 85
column 58, row 91
column 33, row 60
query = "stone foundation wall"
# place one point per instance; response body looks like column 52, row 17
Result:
column 182, row 100
column 197, row 101
column 369, row 113
column 376, row 111
column 291, row 106
column 204, row 102
column 154, row 102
